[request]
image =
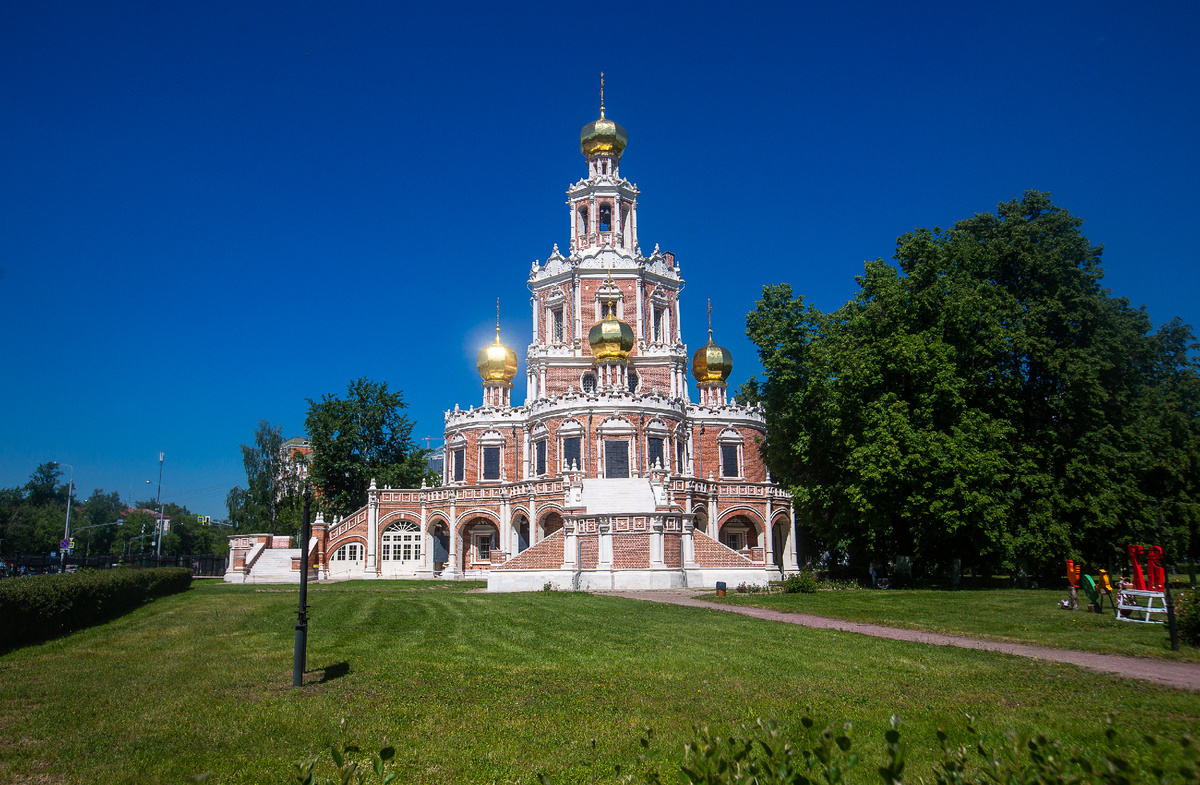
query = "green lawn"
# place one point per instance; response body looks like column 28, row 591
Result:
column 1017, row 615
column 495, row 688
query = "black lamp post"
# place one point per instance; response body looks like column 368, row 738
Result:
column 300, row 651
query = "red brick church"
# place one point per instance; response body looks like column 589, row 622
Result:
column 610, row 475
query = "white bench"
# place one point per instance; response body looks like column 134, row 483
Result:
column 1128, row 605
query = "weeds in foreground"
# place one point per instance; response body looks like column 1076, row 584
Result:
column 765, row 754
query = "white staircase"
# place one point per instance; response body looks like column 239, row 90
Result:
column 607, row 497
column 274, row 565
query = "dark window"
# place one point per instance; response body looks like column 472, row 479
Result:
column 491, row 463
column 729, row 461
column 680, row 456
column 557, row 328
column 540, row 459
column 583, row 220
column 606, row 217
column 616, row 458
column 571, row 456
column 633, row 381
column 654, row 452
column 589, row 382
column 460, row 465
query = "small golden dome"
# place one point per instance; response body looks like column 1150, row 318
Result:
column 497, row 363
column 711, row 364
column 602, row 137
column 610, row 338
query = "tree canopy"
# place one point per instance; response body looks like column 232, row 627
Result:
column 983, row 399
column 271, row 501
column 358, row 438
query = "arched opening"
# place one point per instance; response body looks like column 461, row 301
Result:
column 347, row 560
column 588, row 382
column 551, row 522
column 400, row 548
column 779, row 541
column 700, row 523
column 605, row 217
column 521, row 532
column 481, row 545
column 439, row 537
column 583, row 220
column 739, row 534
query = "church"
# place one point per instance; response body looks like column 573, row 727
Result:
column 609, row 475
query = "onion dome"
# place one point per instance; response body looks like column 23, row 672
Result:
column 610, row 338
column 711, row 364
column 602, row 137
column 497, row 362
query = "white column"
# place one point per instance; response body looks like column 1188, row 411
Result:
column 371, row 563
column 642, row 332
column 657, row 547
column 605, row 556
column 535, row 307
column 426, row 544
column 577, row 316
column 454, row 561
column 570, row 545
column 791, row 560
column 769, row 545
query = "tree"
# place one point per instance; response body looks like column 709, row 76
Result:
column 357, row 439
column 271, row 499
column 987, row 400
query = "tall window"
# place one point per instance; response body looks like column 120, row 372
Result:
column 539, row 458
column 583, row 220
column 680, row 455
column 654, row 452
column 606, row 217
column 460, row 465
column 491, row 463
column 556, row 328
column 633, row 381
column 347, row 552
column 589, row 382
column 571, row 453
column 729, row 461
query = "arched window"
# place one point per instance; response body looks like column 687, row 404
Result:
column 349, row 552
column 583, row 220
column 633, row 381
column 605, row 217
column 401, row 543
column 589, row 382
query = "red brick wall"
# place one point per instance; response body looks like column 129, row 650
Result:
column 712, row 554
column 672, row 550
column 545, row 555
column 631, row 551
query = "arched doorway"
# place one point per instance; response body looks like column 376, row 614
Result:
column 347, row 560
column 400, row 551
column 480, row 544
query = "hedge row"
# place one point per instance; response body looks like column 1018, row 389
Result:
column 42, row 607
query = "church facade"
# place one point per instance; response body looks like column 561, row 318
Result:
column 609, row 475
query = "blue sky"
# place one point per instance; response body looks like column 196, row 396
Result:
column 214, row 211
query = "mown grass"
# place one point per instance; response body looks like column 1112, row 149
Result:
column 496, row 688
column 1016, row 615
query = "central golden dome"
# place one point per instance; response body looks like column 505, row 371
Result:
column 711, row 364
column 610, row 338
column 497, row 363
column 602, row 137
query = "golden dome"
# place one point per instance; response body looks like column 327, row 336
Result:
column 497, row 363
column 602, row 137
column 610, row 338
column 711, row 364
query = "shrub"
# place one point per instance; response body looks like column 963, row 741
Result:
column 801, row 583
column 1187, row 617
column 42, row 607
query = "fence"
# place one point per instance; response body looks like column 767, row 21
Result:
column 206, row 564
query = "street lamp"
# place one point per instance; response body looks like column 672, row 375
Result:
column 70, row 486
column 158, row 503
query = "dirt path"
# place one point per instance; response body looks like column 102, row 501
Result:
column 1173, row 673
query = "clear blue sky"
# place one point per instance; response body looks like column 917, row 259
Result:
column 214, row 211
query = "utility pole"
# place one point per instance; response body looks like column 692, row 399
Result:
column 159, row 528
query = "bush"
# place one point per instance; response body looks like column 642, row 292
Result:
column 801, row 583
column 1187, row 617
column 42, row 607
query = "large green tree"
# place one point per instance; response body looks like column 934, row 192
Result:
column 358, row 438
column 985, row 399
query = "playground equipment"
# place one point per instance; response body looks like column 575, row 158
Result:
column 1144, row 601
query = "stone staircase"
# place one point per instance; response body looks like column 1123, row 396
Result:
column 274, row 565
column 607, row 497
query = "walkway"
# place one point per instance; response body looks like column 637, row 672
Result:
column 1172, row 673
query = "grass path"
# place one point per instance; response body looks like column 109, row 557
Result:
column 496, row 688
